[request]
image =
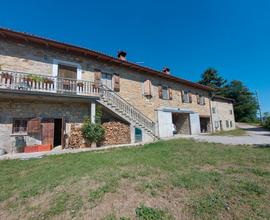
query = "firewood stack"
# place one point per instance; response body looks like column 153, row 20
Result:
column 76, row 139
column 116, row 133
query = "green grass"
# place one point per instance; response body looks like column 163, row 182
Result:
column 207, row 181
column 235, row 132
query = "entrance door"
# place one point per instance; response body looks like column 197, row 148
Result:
column 221, row 128
column 48, row 131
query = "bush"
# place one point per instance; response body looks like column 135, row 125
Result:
column 266, row 123
column 92, row 132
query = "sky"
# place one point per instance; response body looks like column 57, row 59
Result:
column 188, row 36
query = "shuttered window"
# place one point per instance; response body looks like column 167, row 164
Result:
column 116, row 80
column 147, row 88
column 165, row 92
column 97, row 80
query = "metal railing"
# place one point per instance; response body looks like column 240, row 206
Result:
column 43, row 83
column 121, row 104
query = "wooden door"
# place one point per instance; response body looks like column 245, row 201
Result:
column 69, row 74
column 47, row 131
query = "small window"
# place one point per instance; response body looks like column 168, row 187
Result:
column 165, row 92
column 231, row 112
column 186, row 96
column 19, row 126
column 231, row 124
column 227, row 124
column 214, row 110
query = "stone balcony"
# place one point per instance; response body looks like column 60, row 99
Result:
column 36, row 84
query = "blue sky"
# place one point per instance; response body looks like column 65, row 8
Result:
column 188, row 36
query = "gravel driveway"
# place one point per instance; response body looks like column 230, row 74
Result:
column 255, row 136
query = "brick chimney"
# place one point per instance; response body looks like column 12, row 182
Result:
column 122, row 55
column 166, row 70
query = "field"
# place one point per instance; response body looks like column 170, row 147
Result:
column 176, row 179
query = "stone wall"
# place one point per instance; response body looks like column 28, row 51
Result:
column 71, row 112
column 39, row 60
column 223, row 112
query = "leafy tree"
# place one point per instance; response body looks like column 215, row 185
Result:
column 246, row 106
column 211, row 78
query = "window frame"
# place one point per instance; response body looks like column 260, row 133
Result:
column 24, row 131
column 227, row 124
column 213, row 110
column 186, row 99
column 201, row 99
column 167, row 92
column 107, row 80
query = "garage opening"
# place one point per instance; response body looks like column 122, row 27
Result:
column 205, row 124
column 181, row 123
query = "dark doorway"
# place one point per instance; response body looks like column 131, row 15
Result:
column 181, row 123
column 205, row 124
column 57, row 132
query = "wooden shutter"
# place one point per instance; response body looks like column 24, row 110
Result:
column 182, row 96
column 147, row 88
column 34, row 126
column 97, row 81
column 198, row 98
column 116, row 81
column 67, row 71
column 190, row 97
column 160, row 92
column 170, row 93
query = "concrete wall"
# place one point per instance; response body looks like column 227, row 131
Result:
column 32, row 59
column 223, row 110
column 72, row 113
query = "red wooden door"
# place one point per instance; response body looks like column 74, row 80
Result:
column 48, row 131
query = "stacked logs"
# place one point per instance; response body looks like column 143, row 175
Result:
column 116, row 133
column 76, row 139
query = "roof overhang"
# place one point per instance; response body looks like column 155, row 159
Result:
column 7, row 33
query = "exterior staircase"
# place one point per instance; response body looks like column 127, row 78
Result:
column 125, row 110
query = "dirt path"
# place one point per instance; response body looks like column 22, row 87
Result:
column 255, row 136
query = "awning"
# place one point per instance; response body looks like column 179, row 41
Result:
column 175, row 110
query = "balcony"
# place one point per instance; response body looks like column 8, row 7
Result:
column 41, row 84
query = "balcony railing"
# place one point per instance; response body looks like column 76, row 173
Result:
column 50, row 84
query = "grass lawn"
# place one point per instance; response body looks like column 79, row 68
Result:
column 235, row 132
column 176, row 179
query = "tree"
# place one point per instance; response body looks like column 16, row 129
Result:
column 246, row 106
column 211, row 78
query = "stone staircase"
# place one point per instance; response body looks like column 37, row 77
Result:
column 125, row 110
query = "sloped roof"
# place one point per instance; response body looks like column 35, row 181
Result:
column 7, row 33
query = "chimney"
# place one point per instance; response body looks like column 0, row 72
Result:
column 166, row 70
column 122, row 55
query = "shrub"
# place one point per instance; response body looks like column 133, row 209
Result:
column 266, row 123
column 92, row 132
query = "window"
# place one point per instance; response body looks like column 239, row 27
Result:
column 231, row 112
column 106, row 79
column 165, row 92
column 19, row 126
column 227, row 124
column 216, row 124
column 231, row 124
column 186, row 96
column 201, row 100
column 214, row 110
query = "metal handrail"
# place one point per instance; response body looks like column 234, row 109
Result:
column 129, row 109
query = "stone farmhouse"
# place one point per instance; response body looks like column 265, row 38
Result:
column 48, row 87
